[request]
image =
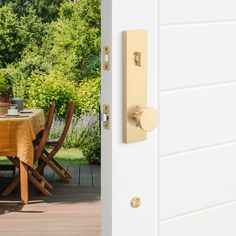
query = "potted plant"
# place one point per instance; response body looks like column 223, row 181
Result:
column 5, row 90
column 5, row 93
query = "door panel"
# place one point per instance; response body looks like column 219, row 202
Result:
column 197, row 55
column 197, row 117
column 187, row 11
column 195, row 180
column 218, row 221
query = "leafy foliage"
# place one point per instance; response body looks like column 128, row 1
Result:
column 73, row 136
column 12, row 39
column 5, row 84
column 45, row 9
column 88, row 96
column 75, row 32
column 84, row 134
column 44, row 89
column 17, row 33
column 90, row 139
column 89, row 47
column 75, row 38
column 50, row 51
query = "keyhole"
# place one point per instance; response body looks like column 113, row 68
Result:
column 137, row 58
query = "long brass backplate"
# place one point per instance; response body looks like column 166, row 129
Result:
column 134, row 82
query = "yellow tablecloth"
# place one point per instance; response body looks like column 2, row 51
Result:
column 18, row 133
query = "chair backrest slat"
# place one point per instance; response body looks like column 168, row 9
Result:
column 46, row 131
column 68, row 119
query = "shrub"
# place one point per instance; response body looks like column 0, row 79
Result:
column 84, row 133
column 17, row 78
column 90, row 139
column 89, row 95
column 44, row 89
column 5, row 84
column 72, row 139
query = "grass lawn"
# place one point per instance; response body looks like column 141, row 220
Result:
column 71, row 156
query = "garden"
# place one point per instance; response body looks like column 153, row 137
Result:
column 50, row 51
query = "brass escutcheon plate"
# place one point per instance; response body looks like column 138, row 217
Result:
column 134, row 82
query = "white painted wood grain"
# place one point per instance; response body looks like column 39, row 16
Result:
column 219, row 221
column 198, row 117
column 197, row 180
column 197, row 55
column 180, row 11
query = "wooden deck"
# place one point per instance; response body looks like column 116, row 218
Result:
column 72, row 210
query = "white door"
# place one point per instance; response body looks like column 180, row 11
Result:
column 187, row 184
column 198, row 117
column 128, row 170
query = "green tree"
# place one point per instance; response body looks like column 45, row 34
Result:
column 17, row 33
column 43, row 57
column 45, row 9
column 77, row 34
column 12, row 39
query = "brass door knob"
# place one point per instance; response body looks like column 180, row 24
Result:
column 146, row 118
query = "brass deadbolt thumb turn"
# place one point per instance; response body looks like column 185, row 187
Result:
column 146, row 118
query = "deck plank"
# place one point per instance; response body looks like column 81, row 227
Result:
column 48, row 173
column 96, row 175
column 74, row 171
column 86, row 176
column 71, row 210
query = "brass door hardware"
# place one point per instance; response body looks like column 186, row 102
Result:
column 106, row 58
column 138, row 117
column 105, row 116
column 135, row 202
column 146, row 118
column 137, row 58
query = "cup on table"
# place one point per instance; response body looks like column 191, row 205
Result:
column 18, row 102
column 13, row 110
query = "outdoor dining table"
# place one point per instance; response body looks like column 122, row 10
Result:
column 16, row 140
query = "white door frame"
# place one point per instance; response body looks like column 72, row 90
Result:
column 128, row 170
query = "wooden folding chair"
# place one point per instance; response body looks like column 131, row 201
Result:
column 34, row 176
column 48, row 157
